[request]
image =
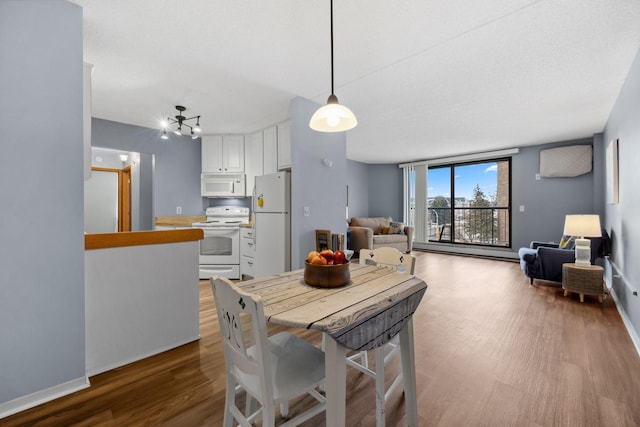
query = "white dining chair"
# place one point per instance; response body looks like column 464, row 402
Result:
column 390, row 258
column 271, row 370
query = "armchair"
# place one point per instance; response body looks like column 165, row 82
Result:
column 544, row 261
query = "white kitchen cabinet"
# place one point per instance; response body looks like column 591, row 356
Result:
column 254, row 159
column 247, row 253
column 284, row 145
column 223, row 154
column 270, row 150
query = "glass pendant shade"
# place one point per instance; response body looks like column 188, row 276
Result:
column 333, row 117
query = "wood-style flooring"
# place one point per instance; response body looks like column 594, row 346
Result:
column 491, row 350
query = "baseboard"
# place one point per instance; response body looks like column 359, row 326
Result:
column 627, row 322
column 459, row 249
column 34, row 399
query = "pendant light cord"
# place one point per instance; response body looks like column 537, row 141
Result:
column 331, row 13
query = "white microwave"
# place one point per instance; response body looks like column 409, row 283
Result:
column 223, row 185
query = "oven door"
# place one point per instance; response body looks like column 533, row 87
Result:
column 221, row 245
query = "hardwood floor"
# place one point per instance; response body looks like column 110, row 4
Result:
column 491, row 350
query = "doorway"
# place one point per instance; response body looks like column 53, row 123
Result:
column 108, row 200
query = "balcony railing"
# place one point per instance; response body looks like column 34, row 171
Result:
column 486, row 226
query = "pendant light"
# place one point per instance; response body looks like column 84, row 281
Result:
column 332, row 117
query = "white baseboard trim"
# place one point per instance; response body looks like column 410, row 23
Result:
column 627, row 322
column 34, row 399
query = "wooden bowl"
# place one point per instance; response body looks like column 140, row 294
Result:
column 326, row 276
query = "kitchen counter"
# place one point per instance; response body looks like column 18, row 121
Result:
column 179, row 221
column 137, row 238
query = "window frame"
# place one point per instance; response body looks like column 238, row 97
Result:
column 452, row 208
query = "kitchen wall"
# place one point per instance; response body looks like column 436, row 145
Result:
column 42, row 340
column 176, row 165
column 622, row 218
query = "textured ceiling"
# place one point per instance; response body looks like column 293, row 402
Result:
column 425, row 78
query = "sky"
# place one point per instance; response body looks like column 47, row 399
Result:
column 466, row 179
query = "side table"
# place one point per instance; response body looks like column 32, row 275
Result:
column 583, row 280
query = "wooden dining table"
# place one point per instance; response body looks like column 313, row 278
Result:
column 377, row 304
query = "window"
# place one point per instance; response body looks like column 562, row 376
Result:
column 470, row 203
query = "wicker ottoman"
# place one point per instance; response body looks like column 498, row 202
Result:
column 583, row 280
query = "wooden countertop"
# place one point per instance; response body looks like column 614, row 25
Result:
column 137, row 238
column 179, row 221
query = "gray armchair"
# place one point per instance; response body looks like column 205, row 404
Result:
column 544, row 260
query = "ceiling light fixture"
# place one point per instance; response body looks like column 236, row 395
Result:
column 332, row 117
column 180, row 120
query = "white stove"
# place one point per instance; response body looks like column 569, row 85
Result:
column 220, row 248
column 224, row 216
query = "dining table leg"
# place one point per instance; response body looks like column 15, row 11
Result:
column 335, row 381
column 407, row 357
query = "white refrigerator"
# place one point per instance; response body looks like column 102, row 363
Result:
column 272, row 224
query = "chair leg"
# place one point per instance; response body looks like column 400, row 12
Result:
column 380, row 392
column 364, row 359
column 230, row 400
column 284, row 409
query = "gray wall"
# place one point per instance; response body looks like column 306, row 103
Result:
column 41, row 175
column 375, row 190
column 548, row 200
column 358, row 182
column 177, row 168
column 622, row 218
column 323, row 189
column 385, row 191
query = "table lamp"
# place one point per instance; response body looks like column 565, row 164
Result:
column 582, row 226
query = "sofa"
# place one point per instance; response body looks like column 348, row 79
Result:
column 543, row 261
column 376, row 232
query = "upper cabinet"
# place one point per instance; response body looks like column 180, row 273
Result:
column 270, row 150
column 222, row 154
column 284, row 145
column 253, row 159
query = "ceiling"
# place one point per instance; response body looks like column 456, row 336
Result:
column 425, row 78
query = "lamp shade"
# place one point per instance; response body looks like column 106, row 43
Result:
column 582, row 225
column 333, row 117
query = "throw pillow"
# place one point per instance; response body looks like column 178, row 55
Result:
column 396, row 228
column 567, row 242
